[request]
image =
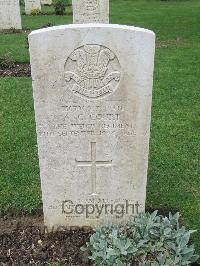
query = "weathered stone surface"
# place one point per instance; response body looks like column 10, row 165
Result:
column 92, row 89
column 31, row 5
column 10, row 14
column 90, row 11
column 46, row 2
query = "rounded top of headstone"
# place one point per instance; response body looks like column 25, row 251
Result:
column 92, row 26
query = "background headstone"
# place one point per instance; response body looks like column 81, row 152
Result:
column 31, row 5
column 10, row 14
column 46, row 2
column 93, row 107
column 90, row 11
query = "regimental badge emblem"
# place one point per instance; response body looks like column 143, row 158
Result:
column 91, row 6
column 92, row 71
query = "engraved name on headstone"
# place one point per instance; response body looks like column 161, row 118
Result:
column 31, row 5
column 90, row 11
column 10, row 14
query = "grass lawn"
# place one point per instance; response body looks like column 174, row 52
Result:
column 174, row 172
column 19, row 171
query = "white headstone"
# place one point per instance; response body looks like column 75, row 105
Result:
column 31, row 5
column 90, row 11
column 10, row 17
column 92, row 87
column 46, row 2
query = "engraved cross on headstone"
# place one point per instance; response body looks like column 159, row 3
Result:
column 90, row 11
column 93, row 163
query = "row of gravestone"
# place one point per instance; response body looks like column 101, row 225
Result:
column 92, row 89
column 10, row 17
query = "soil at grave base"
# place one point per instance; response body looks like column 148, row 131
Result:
column 18, row 70
column 24, row 242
